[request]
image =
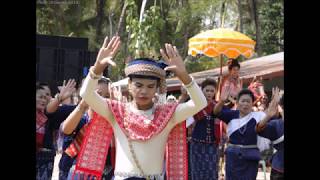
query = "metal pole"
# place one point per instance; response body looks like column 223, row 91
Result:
column 220, row 57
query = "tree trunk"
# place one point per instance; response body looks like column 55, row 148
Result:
column 143, row 6
column 164, row 15
column 213, row 19
column 100, row 14
column 249, row 6
column 222, row 13
column 254, row 12
column 110, row 24
column 57, row 13
column 123, row 12
column 240, row 16
column 186, row 34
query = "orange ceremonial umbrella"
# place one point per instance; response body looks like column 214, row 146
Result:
column 219, row 42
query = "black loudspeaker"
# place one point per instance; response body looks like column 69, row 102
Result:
column 61, row 58
column 72, row 65
column 47, row 41
column 86, row 59
column 73, row 43
column 46, row 56
column 61, row 42
column 93, row 56
column 45, row 65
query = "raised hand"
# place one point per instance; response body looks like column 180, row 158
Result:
column 225, row 94
column 67, row 89
column 273, row 106
column 174, row 60
column 107, row 52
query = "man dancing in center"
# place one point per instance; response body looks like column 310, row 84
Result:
column 142, row 128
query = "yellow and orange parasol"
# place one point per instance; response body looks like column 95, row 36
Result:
column 221, row 41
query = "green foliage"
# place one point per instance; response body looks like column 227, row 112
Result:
column 144, row 36
column 165, row 21
column 272, row 22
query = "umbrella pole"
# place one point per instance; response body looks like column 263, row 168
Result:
column 219, row 80
column 220, row 158
column 220, row 57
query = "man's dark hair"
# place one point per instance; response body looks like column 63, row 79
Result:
column 104, row 80
column 208, row 81
column 145, row 77
column 246, row 92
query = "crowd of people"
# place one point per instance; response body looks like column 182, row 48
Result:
column 209, row 129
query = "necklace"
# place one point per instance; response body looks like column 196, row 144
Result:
column 131, row 149
column 243, row 129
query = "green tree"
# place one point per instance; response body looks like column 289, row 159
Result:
column 272, row 22
column 165, row 21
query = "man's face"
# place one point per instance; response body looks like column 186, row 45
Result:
column 103, row 90
column 143, row 91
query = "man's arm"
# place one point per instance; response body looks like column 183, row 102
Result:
column 87, row 92
column 96, row 102
column 198, row 100
column 72, row 121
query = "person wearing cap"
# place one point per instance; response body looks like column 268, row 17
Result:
column 142, row 128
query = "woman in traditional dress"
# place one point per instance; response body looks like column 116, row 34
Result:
column 203, row 149
column 49, row 119
column 45, row 157
column 231, row 81
column 242, row 153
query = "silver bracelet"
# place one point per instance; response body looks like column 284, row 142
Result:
column 190, row 84
column 58, row 97
column 93, row 75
